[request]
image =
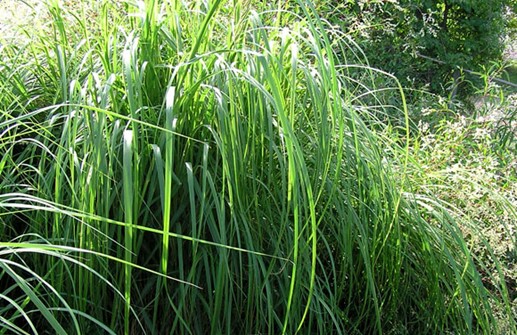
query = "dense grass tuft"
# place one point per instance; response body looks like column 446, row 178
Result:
column 207, row 167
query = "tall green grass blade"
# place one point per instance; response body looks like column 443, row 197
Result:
column 128, row 184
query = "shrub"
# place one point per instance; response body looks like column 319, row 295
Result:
column 457, row 33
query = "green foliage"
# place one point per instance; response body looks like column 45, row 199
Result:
column 458, row 33
column 205, row 167
column 464, row 159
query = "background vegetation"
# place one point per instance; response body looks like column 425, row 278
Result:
column 428, row 43
column 171, row 167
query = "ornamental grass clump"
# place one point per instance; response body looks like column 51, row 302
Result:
column 197, row 167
